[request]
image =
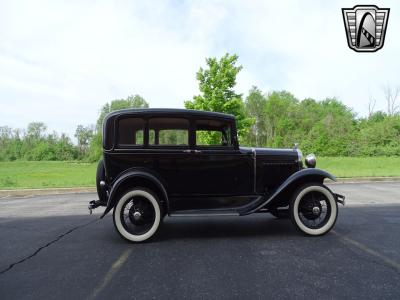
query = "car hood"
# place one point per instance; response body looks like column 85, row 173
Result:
column 273, row 153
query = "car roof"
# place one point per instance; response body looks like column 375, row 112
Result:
column 170, row 111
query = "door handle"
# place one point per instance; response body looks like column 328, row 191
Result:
column 191, row 151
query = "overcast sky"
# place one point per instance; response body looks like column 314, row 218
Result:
column 60, row 61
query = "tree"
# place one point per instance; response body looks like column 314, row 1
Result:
column 371, row 106
column 216, row 83
column 36, row 130
column 255, row 105
column 130, row 102
column 84, row 135
column 136, row 101
column 391, row 96
column 280, row 112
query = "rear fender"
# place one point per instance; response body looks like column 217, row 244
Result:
column 129, row 176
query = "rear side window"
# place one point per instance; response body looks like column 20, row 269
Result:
column 213, row 133
column 130, row 132
column 108, row 133
column 169, row 132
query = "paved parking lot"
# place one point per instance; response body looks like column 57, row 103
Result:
column 51, row 248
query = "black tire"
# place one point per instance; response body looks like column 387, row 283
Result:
column 280, row 213
column 144, row 201
column 101, row 176
column 307, row 209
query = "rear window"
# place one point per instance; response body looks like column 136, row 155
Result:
column 130, row 132
column 108, row 133
column 169, row 132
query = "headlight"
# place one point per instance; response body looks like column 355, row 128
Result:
column 311, row 161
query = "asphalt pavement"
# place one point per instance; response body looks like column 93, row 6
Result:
column 50, row 247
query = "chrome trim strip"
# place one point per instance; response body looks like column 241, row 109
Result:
column 203, row 215
column 255, row 169
column 299, row 158
column 299, row 155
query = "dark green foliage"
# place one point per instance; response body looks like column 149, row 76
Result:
column 327, row 128
column 35, row 144
column 216, row 84
column 379, row 135
column 130, row 102
column 84, row 136
column 255, row 104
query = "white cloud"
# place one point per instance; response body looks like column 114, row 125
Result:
column 60, row 61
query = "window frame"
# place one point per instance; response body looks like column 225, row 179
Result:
column 189, row 133
column 117, row 130
column 114, row 127
column 213, row 147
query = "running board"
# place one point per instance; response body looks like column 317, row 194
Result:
column 204, row 213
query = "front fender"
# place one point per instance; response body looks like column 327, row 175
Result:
column 112, row 199
column 303, row 176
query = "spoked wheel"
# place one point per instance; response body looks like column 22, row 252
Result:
column 137, row 215
column 313, row 209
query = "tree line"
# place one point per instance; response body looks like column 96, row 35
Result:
column 274, row 119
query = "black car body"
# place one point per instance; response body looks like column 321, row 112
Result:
column 191, row 164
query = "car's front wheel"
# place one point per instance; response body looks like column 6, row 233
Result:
column 137, row 215
column 313, row 209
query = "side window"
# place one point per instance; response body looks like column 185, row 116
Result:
column 169, row 131
column 130, row 131
column 213, row 133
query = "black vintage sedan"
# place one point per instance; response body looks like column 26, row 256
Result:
column 184, row 163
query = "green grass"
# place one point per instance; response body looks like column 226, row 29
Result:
column 48, row 174
column 360, row 166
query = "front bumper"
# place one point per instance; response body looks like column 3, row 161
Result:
column 340, row 199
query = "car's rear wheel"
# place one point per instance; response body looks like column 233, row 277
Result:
column 313, row 209
column 137, row 215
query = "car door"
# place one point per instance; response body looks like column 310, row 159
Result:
column 217, row 174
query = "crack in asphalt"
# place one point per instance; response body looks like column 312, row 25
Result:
column 378, row 258
column 46, row 245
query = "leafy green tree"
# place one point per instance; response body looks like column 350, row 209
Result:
column 280, row 111
column 130, row 102
column 216, row 83
column 64, row 148
column 36, row 130
column 84, row 134
column 255, row 107
column 95, row 148
column 379, row 135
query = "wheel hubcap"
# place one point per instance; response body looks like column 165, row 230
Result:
column 316, row 210
column 137, row 215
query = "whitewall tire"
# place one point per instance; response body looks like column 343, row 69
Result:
column 137, row 215
column 313, row 209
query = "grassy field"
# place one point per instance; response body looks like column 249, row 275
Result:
column 360, row 166
column 46, row 174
